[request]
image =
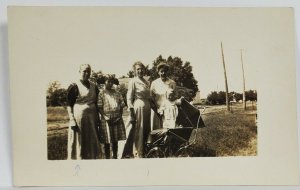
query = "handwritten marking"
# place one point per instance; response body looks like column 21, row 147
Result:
column 77, row 169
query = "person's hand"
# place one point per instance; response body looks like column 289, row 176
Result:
column 75, row 128
column 178, row 102
column 73, row 122
column 74, row 125
column 159, row 112
column 132, row 119
column 106, row 118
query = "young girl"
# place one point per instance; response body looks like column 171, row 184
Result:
column 111, row 104
column 168, row 109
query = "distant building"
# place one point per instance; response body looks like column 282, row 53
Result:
column 197, row 99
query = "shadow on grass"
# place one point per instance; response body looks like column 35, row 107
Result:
column 204, row 152
column 57, row 147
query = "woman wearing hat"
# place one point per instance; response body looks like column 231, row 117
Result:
column 158, row 92
column 111, row 104
column 138, row 95
column 83, row 142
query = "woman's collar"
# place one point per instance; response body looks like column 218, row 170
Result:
column 140, row 80
column 167, row 81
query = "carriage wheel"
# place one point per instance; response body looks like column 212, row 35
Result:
column 184, row 152
column 155, row 153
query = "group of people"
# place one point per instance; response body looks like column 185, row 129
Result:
column 96, row 114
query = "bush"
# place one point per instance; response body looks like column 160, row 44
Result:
column 56, row 96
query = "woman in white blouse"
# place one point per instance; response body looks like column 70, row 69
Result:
column 158, row 92
column 138, row 95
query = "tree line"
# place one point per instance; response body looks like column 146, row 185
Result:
column 219, row 98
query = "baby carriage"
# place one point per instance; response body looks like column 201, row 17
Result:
column 176, row 142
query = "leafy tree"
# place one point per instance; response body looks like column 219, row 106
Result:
column 215, row 98
column 212, row 98
column 238, row 96
column 130, row 74
column 251, row 95
column 222, row 97
column 56, row 96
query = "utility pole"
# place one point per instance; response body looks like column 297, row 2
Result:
column 244, row 86
column 226, row 85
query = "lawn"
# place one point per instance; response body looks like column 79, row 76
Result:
column 226, row 133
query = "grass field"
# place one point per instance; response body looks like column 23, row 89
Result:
column 226, row 133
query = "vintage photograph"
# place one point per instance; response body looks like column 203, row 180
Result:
column 146, row 86
column 152, row 96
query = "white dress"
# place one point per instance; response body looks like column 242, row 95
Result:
column 158, row 91
column 169, row 111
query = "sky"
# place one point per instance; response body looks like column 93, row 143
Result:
column 112, row 39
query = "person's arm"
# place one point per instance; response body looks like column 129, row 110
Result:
column 152, row 98
column 105, row 117
column 161, row 109
column 130, row 99
column 121, row 103
column 100, row 104
column 179, row 101
column 71, row 116
column 72, row 94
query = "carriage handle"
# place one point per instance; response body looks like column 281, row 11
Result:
column 194, row 140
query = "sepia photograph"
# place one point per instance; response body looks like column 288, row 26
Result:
column 164, row 88
column 145, row 93
column 152, row 111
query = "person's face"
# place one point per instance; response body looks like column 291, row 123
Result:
column 85, row 73
column 109, row 84
column 162, row 72
column 139, row 71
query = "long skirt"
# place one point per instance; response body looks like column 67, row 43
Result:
column 84, row 142
column 137, row 134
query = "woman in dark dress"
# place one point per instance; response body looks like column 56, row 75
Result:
column 83, row 141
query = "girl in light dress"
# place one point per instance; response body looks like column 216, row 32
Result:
column 169, row 110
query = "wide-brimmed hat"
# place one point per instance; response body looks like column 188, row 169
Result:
column 163, row 65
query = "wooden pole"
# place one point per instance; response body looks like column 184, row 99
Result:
column 226, row 85
column 244, row 86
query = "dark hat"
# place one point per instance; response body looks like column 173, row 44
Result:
column 111, row 77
